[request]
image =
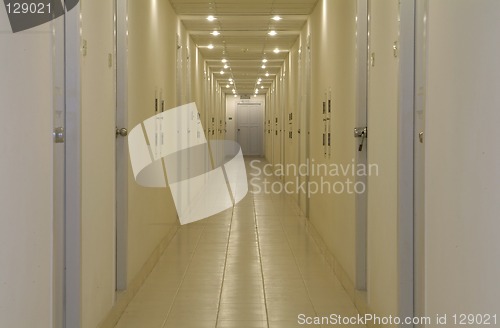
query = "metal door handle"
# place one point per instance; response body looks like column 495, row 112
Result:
column 361, row 132
column 123, row 132
column 59, row 135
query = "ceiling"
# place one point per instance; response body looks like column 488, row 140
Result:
column 244, row 41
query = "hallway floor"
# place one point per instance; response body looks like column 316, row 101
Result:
column 253, row 266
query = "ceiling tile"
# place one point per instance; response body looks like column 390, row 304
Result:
column 243, row 25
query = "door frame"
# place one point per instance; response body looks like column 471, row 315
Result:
column 406, row 134
column 419, row 175
column 58, row 73
column 307, row 123
column 72, row 293
column 246, row 106
column 122, row 154
column 361, row 200
column 406, row 128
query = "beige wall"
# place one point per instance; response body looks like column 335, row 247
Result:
column 293, row 98
column 98, row 162
column 333, row 68
column 337, row 30
column 383, row 96
column 462, row 178
column 332, row 27
column 332, row 30
column 152, row 68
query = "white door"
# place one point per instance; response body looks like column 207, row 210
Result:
column 304, row 121
column 31, row 175
column 59, row 174
column 383, row 151
column 390, row 149
column 277, row 122
column 121, row 145
column 250, row 122
column 420, row 96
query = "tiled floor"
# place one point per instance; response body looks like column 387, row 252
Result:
column 253, row 266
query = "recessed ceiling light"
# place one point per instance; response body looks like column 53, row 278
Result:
column 255, row 96
column 221, row 72
column 276, row 51
column 235, row 96
column 258, row 82
column 234, row 90
column 211, row 18
column 230, row 80
column 272, row 33
column 210, row 46
column 227, row 86
column 256, row 90
column 226, row 66
column 215, row 33
column 263, row 66
column 264, row 60
column 224, row 60
column 277, row 18
column 267, row 73
column 260, row 79
column 262, row 87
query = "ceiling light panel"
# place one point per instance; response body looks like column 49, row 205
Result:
column 283, row 7
column 245, row 25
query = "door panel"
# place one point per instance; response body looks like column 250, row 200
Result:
column 98, row 152
column 390, row 147
column 250, row 122
column 59, row 172
column 305, row 69
column 420, row 95
column 122, row 156
column 27, row 102
column 382, row 146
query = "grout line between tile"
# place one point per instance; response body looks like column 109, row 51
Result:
column 225, row 264
column 261, row 266
column 297, row 264
column 183, row 276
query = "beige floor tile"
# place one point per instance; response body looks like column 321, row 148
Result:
column 241, row 324
column 288, row 324
column 254, row 266
column 188, row 323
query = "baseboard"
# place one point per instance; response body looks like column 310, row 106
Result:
column 359, row 298
column 123, row 298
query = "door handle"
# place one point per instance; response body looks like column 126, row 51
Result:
column 59, row 135
column 123, row 132
column 361, row 132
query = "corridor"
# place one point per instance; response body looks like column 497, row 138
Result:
column 253, row 266
column 369, row 126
